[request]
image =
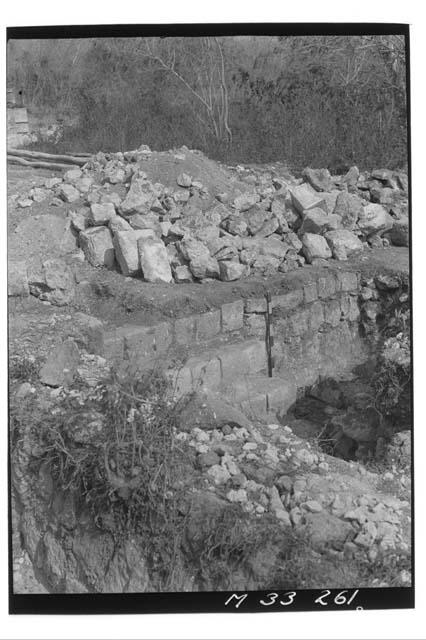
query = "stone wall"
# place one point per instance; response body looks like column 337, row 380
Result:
column 316, row 332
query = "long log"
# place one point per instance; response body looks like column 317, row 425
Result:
column 54, row 166
column 38, row 155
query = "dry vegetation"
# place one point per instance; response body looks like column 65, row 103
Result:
column 318, row 101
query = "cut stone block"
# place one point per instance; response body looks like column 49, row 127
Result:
column 304, row 198
column 343, row 243
column 101, row 214
column 232, row 315
column 207, row 325
column 374, row 219
column 315, row 246
column 154, row 261
column 126, row 251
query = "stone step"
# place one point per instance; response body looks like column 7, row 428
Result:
column 261, row 397
column 217, row 369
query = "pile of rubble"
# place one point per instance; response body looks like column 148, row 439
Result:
column 184, row 232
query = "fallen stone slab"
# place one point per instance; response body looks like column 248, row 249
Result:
column 304, row 198
column 317, row 221
column 204, row 266
column 154, row 260
column 319, row 179
column 126, row 251
column 98, row 246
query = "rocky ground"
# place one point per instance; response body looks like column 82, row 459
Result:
column 180, row 217
column 116, row 238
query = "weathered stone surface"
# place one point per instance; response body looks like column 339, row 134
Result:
column 88, row 333
column 349, row 208
column 317, row 221
column 319, row 179
column 79, row 219
column 49, row 183
column 330, row 198
column 383, row 195
column 117, row 223
column 208, row 410
column 154, row 260
column 223, row 248
column 184, row 180
column 145, row 221
column 207, row 325
column 192, row 249
column 42, row 237
column 230, row 271
column 245, row 201
column 72, row 175
column 267, row 265
column 68, row 193
column 399, row 234
column 98, row 247
column 268, row 228
column 315, row 246
column 327, row 530
column 39, row 195
column 84, row 184
column 374, row 219
column 232, row 315
column 343, row 243
column 351, row 177
column 305, row 198
column 235, row 225
column 270, row 247
column 52, row 281
column 182, row 274
column 382, row 174
column 101, row 214
column 144, row 234
column 25, row 202
column 204, row 266
column 255, row 218
column 126, row 251
column 17, row 279
column 61, row 365
column 140, row 198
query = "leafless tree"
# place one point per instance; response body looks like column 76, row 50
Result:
column 198, row 64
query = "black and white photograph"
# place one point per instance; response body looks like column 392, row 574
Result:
column 209, row 318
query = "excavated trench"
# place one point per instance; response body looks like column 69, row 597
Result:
column 353, row 415
column 329, row 359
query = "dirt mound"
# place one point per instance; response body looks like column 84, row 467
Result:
column 165, row 167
